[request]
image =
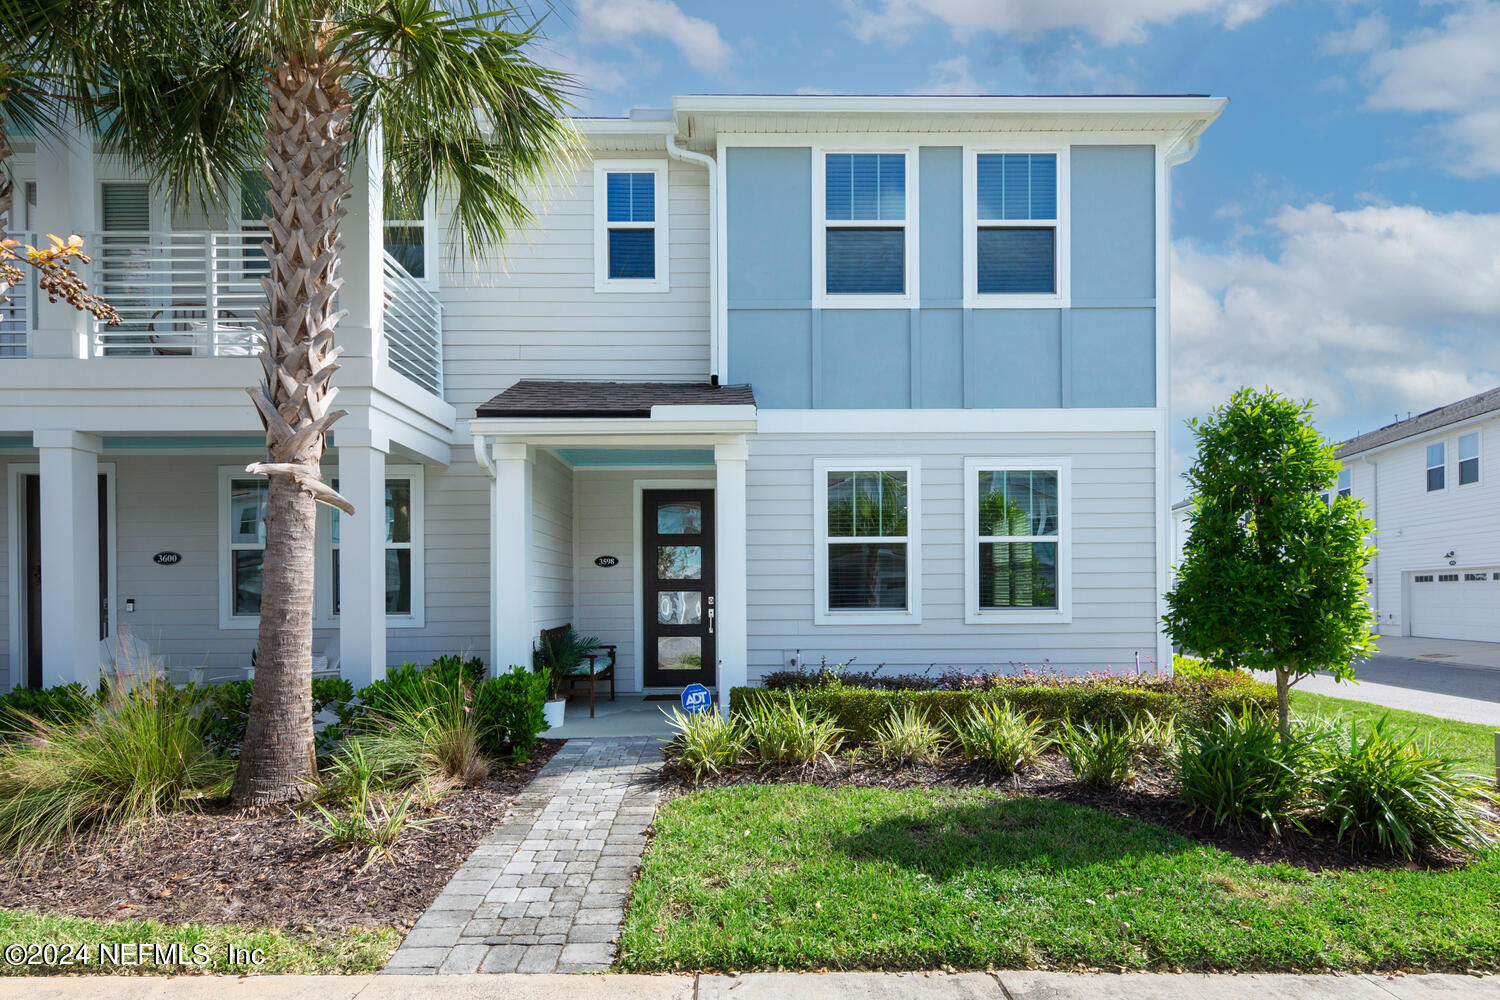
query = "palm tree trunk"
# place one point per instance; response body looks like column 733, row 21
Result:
column 307, row 142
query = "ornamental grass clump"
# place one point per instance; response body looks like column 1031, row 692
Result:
column 1001, row 737
column 908, row 738
column 706, row 742
column 1239, row 770
column 1378, row 787
column 136, row 758
column 421, row 733
column 785, row 733
column 1101, row 756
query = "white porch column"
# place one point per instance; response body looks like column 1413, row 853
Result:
column 510, row 559
column 729, row 516
column 362, row 264
column 70, row 556
column 362, row 540
column 67, row 203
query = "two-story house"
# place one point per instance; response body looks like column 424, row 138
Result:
column 773, row 379
column 1427, row 483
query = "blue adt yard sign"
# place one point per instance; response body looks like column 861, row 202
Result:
column 695, row 698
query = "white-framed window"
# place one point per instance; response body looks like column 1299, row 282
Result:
column 408, row 239
column 1437, row 466
column 1016, row 228
column 1468, row 458
column 630, row 226
column 1018, row 540
column 865, row 243
column 1346, row 483
column 242, row 539
column 867, row 553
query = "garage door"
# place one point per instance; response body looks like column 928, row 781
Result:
column 1457, row 604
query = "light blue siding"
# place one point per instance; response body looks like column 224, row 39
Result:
column 769, row 216
column 1016, row 358
column 1114, row 222
column 1114, row 357
column 940, row 215
column 866, row 359
column 772, row 350
column 940, row 358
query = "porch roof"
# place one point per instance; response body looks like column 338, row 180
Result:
column 558, row 399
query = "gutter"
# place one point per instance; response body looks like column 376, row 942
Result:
column 482, row 453
column 676, row 152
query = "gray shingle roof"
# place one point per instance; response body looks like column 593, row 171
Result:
column 1477, row 405
column 547, row 398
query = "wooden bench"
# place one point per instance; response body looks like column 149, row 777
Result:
column 596, row 673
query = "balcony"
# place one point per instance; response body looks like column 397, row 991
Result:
column 194, row 294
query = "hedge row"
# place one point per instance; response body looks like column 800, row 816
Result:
column 858, row 710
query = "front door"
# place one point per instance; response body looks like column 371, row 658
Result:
column 32, row 560
column 678, row 575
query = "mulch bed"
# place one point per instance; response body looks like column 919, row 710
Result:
column 1151, row 797
column 220, row 866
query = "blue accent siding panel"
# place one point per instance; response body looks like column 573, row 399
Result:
column 1017, row 358
column 940, row 213
column 940, row 349
column 1114, row 222
column 772, row 350
column 638, row 456
column 866, row 361
column 1113, row 357
column 768, row 204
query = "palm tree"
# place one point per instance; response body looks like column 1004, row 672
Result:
column 205, row 89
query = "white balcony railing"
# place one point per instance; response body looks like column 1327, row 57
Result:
column 194, row 294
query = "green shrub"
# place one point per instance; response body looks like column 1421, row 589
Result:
column 21, row 707
column 705, row 742
column 1000, row 736
column 1104, row 755
column 410, row 684
column 1097, row 700
column 508, row 709
column 788, row 733
column 1377, row 786
column 136, row 758
column 1239, row 770
column 558, row 655
column 908, row 738
column 227, row 707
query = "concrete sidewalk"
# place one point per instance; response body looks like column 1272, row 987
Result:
column 762, row 986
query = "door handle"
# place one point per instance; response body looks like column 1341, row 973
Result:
column 710, row 621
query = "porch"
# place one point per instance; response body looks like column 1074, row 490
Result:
column 619, row 508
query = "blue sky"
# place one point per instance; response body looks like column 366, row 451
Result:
column 1337, row 236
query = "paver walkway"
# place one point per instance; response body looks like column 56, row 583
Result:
column 546, row 891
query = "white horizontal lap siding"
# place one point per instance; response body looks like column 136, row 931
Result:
column 535, row 313
column 551, row 543
column 1113, row 564
column 1417, row 529
column 604, row 604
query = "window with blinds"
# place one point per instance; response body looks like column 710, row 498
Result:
column 1016, row 223
column 864, row 223
column 630, row 226
column 126, row 206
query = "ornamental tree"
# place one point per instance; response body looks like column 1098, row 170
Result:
column 1272, row 576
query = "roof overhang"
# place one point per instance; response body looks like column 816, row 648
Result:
column 666, row 427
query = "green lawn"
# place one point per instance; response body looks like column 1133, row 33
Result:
column 1472, row 740
column 800, row 877
column 323, row 952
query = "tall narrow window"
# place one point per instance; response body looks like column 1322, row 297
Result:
column 247, row 543
column 1468, row 458
column 630, row 226
column 406, row 237
column 1346, row 483
column 867, row 556
column 1015, row 239
column 398, row 547
column 864, row 236
column 1017, row 540
column 1437, row 467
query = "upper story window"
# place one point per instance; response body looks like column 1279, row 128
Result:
column 867, row 557
column 630, row 226
column 1015, row 207
column 1017, row 540
column 865, row 250
column 405, row 238
column 1468, row 458
column 1346, row 483
column 1437, row 466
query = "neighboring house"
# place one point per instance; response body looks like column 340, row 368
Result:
column 1429, row 484
column 774, row 378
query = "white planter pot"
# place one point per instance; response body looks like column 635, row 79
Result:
column 553, row 712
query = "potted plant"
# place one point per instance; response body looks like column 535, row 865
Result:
column 559, row 654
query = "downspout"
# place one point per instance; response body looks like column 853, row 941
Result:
column 482, row 455
column 676, row 152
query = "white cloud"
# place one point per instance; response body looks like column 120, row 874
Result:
column 615, row 21
column 589, row 74
column 1368, row 312
column 951, row 76
column 1451, row 70
column 1112, row 22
